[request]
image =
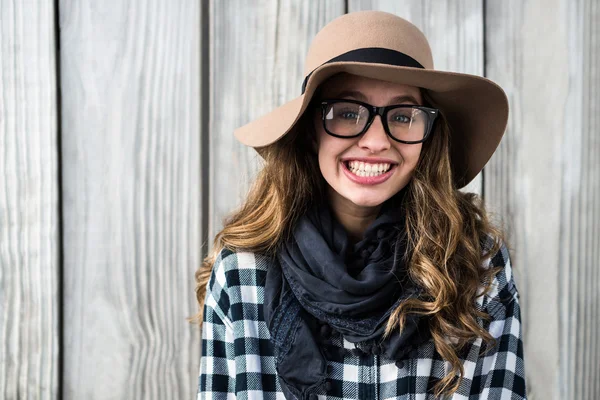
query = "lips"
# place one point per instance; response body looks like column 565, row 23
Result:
column 367, row 180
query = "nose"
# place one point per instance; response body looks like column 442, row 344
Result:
column 375, row 139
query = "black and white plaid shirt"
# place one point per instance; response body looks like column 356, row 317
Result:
column 238, row 362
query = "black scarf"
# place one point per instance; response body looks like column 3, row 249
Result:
column 321, row 278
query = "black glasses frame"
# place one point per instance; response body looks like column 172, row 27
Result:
column 431, row 113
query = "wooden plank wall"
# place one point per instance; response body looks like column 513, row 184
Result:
column 130, row 77
column 544, row 181
column 29, row 202
column 103, row 216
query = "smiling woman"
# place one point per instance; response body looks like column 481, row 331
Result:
column 356, row 268
column 347, row 163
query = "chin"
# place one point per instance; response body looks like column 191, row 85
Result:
column 368, row 199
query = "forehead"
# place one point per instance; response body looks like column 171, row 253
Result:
column 368, row 86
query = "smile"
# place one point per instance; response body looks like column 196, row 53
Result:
column 368, row 173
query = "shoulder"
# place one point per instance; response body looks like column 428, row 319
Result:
column 233, row 268
column 237, row 280
column 503, row 290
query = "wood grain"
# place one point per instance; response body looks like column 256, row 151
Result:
column 29, row 230
column 132, row 171
column 257, row 61
column 544, row 181
column 584, row 31
column 130, row 75
column 454, row 29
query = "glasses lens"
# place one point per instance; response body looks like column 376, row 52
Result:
column 345, row 119
column 407, row 123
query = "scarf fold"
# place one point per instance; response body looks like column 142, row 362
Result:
column 321, row 278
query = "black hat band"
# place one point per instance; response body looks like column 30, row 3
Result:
column 375, row 55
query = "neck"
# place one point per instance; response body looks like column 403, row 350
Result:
column 354, row 218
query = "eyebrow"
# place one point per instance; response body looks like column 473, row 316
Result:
column 360, row 96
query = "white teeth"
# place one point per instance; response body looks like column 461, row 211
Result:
column 361, row 168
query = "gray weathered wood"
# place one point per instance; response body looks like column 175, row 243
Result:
column 131, row 175
column 29, row 241
column 454, row 29
column 544, row 181
column 257, row 61
column 130, row 74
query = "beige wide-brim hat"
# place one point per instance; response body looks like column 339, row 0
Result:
column 383, row 46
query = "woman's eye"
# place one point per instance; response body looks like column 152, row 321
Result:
column 401, row 118
column 348, row 115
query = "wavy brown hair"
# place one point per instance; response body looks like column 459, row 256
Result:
column 446, row 231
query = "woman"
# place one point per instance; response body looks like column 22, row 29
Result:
column 355, row 268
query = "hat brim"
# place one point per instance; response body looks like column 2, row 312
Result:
column 476, row 109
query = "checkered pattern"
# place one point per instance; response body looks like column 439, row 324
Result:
column 238, row 362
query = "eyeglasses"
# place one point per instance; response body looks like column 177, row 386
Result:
column 344, row 118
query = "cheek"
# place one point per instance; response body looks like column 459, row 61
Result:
column 410, row 154
column 330, row 150
column 327, row 153
column 326, row 147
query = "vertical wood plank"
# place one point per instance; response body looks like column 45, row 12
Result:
column 514, row 180
column 505, row 178
column 257, row 62
column 29, row 235
column 454, row 30
column 130, row 75
column 544, row 181
column 586, row 18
